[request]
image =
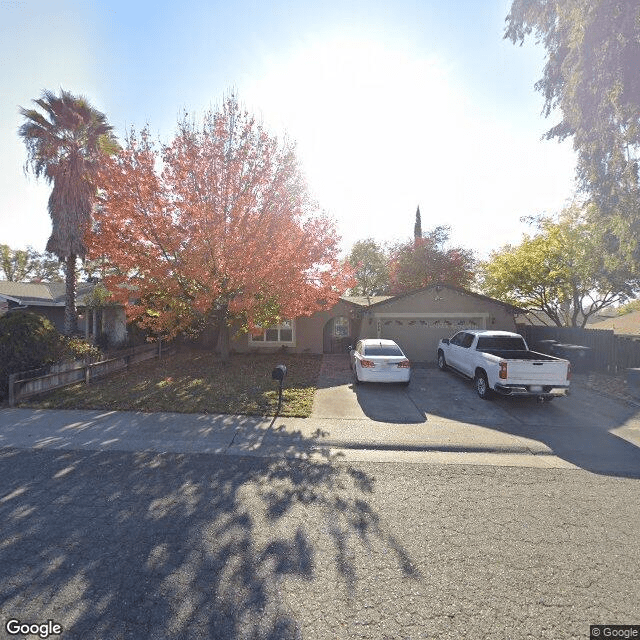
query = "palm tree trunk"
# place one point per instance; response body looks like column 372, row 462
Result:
column 70, row 315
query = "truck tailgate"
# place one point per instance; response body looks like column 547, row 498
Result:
column 544, row 372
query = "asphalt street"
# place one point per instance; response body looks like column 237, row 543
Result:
column 131, row 545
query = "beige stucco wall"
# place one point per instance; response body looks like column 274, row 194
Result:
column 115, row 324
column 418, row 321
column 308, row 331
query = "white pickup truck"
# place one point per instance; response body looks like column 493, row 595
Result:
column 500, row 362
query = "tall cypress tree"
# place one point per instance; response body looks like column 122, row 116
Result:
column 417, row 227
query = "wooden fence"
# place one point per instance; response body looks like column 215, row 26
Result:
column 607, row 351
column 30, row 383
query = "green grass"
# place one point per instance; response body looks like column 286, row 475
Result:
column 197, row 382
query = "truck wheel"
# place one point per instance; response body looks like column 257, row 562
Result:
column 442, row 362
column 482, row 386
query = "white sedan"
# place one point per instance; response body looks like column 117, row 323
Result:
column 376, row 360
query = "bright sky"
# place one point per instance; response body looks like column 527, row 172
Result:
column 392, row 104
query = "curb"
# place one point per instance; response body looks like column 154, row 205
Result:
column 426, row 448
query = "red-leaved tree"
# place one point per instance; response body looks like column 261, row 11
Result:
column 214, row 229
column 423, row 261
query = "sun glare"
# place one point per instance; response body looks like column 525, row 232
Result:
column 381, row 128
column 363, row 116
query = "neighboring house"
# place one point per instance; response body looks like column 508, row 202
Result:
column 416, row 321
column 627, row 324
column 47, row 299
column 535, row 318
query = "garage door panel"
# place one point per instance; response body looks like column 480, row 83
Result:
column 419, row 337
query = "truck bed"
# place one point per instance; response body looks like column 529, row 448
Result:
column 517, row 355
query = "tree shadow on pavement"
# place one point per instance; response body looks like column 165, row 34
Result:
column 145, row 545
column 585, row 429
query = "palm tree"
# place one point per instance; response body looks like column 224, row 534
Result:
column 64, row 141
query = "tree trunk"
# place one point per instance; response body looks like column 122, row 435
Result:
column 70, row 315
column 223, row 335
column 208, row 339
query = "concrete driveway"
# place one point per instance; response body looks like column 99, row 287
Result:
column 585, row 428
column 338, row 397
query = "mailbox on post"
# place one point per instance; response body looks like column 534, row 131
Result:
column 279, row 373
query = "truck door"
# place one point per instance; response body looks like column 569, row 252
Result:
column 466, row 359
column 455, row 348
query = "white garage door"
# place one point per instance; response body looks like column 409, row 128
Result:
column 419, row 337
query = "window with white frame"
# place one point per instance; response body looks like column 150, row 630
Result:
column 282, row 333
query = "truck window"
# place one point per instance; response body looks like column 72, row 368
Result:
column 467, row 340
column 457, row 339
column 503, row 343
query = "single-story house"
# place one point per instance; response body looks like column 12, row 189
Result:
column 47, row 299
column 415, row 320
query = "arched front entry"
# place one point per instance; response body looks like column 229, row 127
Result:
column 336, row 335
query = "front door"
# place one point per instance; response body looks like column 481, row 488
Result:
column 336, row 336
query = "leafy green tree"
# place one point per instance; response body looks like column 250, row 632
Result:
column 370, row 263
column 16, row 264
column 423, row 261
column 47, row 268
column 591, row 80
column 563, row 271
column 28, row 265
column 65, row 139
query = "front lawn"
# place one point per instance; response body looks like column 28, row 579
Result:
column 197, row 382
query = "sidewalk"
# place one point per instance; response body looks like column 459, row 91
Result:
column 297, row 438
column 374, row 424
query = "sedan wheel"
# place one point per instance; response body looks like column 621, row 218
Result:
column 442, row 363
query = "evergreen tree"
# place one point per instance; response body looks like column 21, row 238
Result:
column 417, row 227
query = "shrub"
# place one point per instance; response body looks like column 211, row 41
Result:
column 27, row 341
column 78, row 348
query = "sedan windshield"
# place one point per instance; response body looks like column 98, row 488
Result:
column 382, row 350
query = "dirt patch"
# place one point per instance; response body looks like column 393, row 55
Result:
column 612, row 385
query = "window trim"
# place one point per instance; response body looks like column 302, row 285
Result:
column 263, row 342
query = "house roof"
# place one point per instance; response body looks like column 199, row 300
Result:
column 627, row 324
column 42, row 294
column 535, row 318
column 385, row 299
column 364, row 301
